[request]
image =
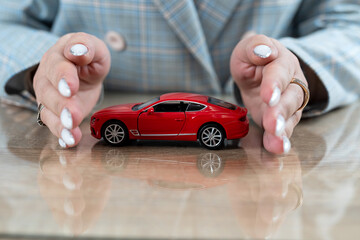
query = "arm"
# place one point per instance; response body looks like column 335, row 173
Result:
column 24, row 36
column 328, row 46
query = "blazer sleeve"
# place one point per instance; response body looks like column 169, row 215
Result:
column 327, row 41
column 25, row 36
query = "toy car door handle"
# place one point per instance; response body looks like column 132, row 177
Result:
column 179, row 119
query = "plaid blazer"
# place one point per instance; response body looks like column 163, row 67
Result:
column 185, row 45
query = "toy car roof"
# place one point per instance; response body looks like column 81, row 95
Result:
column 184, row 96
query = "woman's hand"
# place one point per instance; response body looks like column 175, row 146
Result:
column 262, row 68
column 68, row 83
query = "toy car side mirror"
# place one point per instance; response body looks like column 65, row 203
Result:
column 150, row 110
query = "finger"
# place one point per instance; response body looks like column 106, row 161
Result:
column 83, row 49
column 72, row 205
column 274, row 118
column 80, row 49
column 60, row 71
column 248, row 59
column 256, row 50
column 275, row 144
column 63, row 75
column 277, row 76
column 48, row 162
column 54, row 169
column 67, row 109
column 281, row 144
column 69, row 137
column 291, row 124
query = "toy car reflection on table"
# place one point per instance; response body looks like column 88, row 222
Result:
column 172, row 116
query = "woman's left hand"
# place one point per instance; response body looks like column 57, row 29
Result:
column 263, row 68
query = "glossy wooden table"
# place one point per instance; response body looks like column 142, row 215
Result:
column 177, row 190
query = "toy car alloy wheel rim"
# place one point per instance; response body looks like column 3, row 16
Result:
column 114, row 133
column 211, row 137
column 115, row 159
column 210, row 163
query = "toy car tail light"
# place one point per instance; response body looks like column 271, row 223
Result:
column 243, row 119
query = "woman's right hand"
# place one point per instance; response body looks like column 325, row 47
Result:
column 68, row 83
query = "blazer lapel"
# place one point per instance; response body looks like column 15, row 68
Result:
column 214, row 15
column 182, row 17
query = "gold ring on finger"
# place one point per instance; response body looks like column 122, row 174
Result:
column 305, row 90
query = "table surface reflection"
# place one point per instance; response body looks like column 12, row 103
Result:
column 178, row 190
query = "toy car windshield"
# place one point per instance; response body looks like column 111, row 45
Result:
column 145, row 104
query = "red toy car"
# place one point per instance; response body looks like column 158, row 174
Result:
column 172, row 116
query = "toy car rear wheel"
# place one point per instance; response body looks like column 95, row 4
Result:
column 115, row 133
column 212, row 136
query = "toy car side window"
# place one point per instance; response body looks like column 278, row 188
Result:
column 193, row 107
column 170, row 106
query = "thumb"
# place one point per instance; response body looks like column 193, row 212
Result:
column 89, row 52
column 256, row 50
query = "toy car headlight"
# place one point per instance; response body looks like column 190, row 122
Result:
column 93, row 120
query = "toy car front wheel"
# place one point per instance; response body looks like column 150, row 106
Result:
column 211, row 136
column 115, row 133
column 210, row 164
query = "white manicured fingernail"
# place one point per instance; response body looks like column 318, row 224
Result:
column 66, row 118
column 69, row 208
column 63, row 161
column 67, row 137
column 68, row 182
column 262, row 51
column 275, row 97
column 280, row 125
column 286, row 144
column 78, row 49
column 63, row 88
column 62, row 143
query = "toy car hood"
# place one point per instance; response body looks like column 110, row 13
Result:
column 121, row 108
